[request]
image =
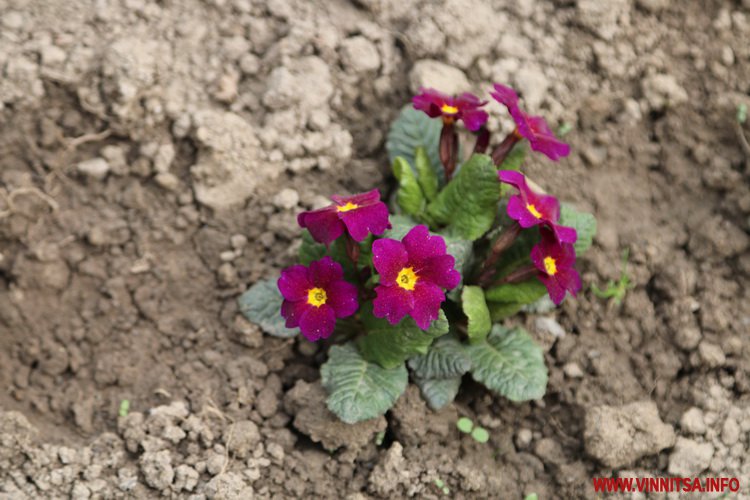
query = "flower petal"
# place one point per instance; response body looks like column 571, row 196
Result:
column 324, row 271
column 440, row 271
column 324, row 224
column 421, row 245
column 555, row 290
column 292, row 312
column 367, row 219
column 518, row 211
column 317, row 322
column 392, row 303
column 474, row 119
column 389, row 257
column 342, row 297
column 548, row 207
column 294, row 283
column 565, row 234
column 427, row 300
column 514, row 178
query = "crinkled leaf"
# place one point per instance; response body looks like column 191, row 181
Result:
column 400, row 225
column 438, row 392
column 460, row 249
column 584, row 224
column 475, row 308
column 409, row 195
column 446, row 358
column 357, row 389
column 427, row 177
column 468, row 202
column 310, row 250
column 391, row 345
column 411, row 130
column 521, row 293
column 501, row 310
column 509, row 363
column 261, row 304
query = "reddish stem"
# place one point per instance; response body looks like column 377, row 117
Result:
column 501, row 152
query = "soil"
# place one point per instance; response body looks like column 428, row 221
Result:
column 153, row 157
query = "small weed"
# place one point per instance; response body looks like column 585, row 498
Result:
column 479, row 434
column 616, row 290
column 441, row 485
column 124, row 408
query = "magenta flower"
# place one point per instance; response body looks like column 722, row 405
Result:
column 315, row 296
column 532, row 209
column 360, row 215
column 413, row 274
column 533, row 128
column 464, row 107
column 555, row 262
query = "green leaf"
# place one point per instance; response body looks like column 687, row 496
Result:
column 400, row 225
column 359, row 390
column 465, row 425
column 516, row 157
column 480, row 435
column 521, row 293
column 413, row 129
column 509, row 363
column 261, row 304
column 310, row 250
column 518, row 254
column 438, row 392
column 409, row 195
column 501, row 310
column 446, row 358
column 584, row 224
column 461, row 250
column 427, row 177
column 468, row 203
column 475, row 308
column 391, row 345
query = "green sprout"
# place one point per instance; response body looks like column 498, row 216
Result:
column 616, row 290
column 124, row 408
column 564, row 129
column 379, row 438
column 441, row 485
column 531, row 496
column 742, row 113
column 465, row 425
column 479, row 434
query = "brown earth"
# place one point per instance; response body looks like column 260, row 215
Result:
column 153, row 156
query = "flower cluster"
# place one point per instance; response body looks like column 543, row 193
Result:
column 413, row 272
column 410, row 277
column 554, row 257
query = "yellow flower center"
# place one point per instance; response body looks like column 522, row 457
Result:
column 349, row 206
column 550, row 266
column 531, row 208
column 407, row 278
column 316, row 297
column 448, row 109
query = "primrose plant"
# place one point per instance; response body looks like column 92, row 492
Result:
column 468, row 242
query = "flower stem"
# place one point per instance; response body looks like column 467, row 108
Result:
column 448, row 149
column 501, row 152
column 352, row 249
column 521, row 274
column 483, row 141
column 501, row 244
